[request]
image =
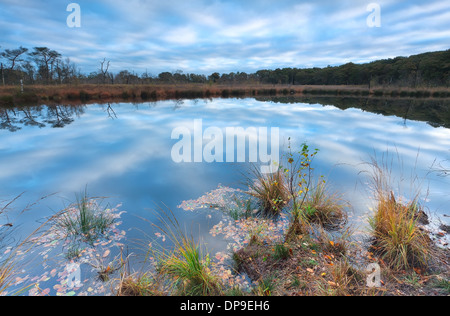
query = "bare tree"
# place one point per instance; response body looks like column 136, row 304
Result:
column 104, row 69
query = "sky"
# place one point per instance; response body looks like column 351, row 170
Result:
column 206, row 36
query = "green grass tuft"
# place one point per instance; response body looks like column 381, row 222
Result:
column 186, row 264
column 85, row 219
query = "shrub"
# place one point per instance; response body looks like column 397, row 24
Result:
column 298, row 172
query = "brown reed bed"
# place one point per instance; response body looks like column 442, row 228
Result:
column 96, row 93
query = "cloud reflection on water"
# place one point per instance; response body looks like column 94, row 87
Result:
column 129, row 157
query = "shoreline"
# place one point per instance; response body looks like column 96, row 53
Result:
column 313, row 264
column 86, row 93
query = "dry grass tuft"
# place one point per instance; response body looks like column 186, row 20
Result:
column 325, row 208
column 270, row 190
column 398, row 237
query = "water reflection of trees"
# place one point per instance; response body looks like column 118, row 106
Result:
column 111, row 112
column 55, row 116
column 441, row 168
column 436, row 112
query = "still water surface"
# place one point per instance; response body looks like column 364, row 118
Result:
column 123, row 152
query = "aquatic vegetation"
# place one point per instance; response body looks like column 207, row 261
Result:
column 56, row 251
column 7, row 271
column 398, row 236
column 189, row 269
column 270, row 190
column 140, row 284
column 243, row 209
column 85, row 219
column 325, row 208
column 187, row 264
column 143, row 283
column 12, row 254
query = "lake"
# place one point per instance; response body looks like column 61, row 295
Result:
column 123, row 152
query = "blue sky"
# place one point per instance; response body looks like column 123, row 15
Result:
column 202, row 36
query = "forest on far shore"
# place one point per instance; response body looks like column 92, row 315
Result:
column 44, row 66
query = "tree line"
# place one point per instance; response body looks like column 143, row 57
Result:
column 42, row 65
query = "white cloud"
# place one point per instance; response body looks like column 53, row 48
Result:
column 181, row 36
column 222, row 35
